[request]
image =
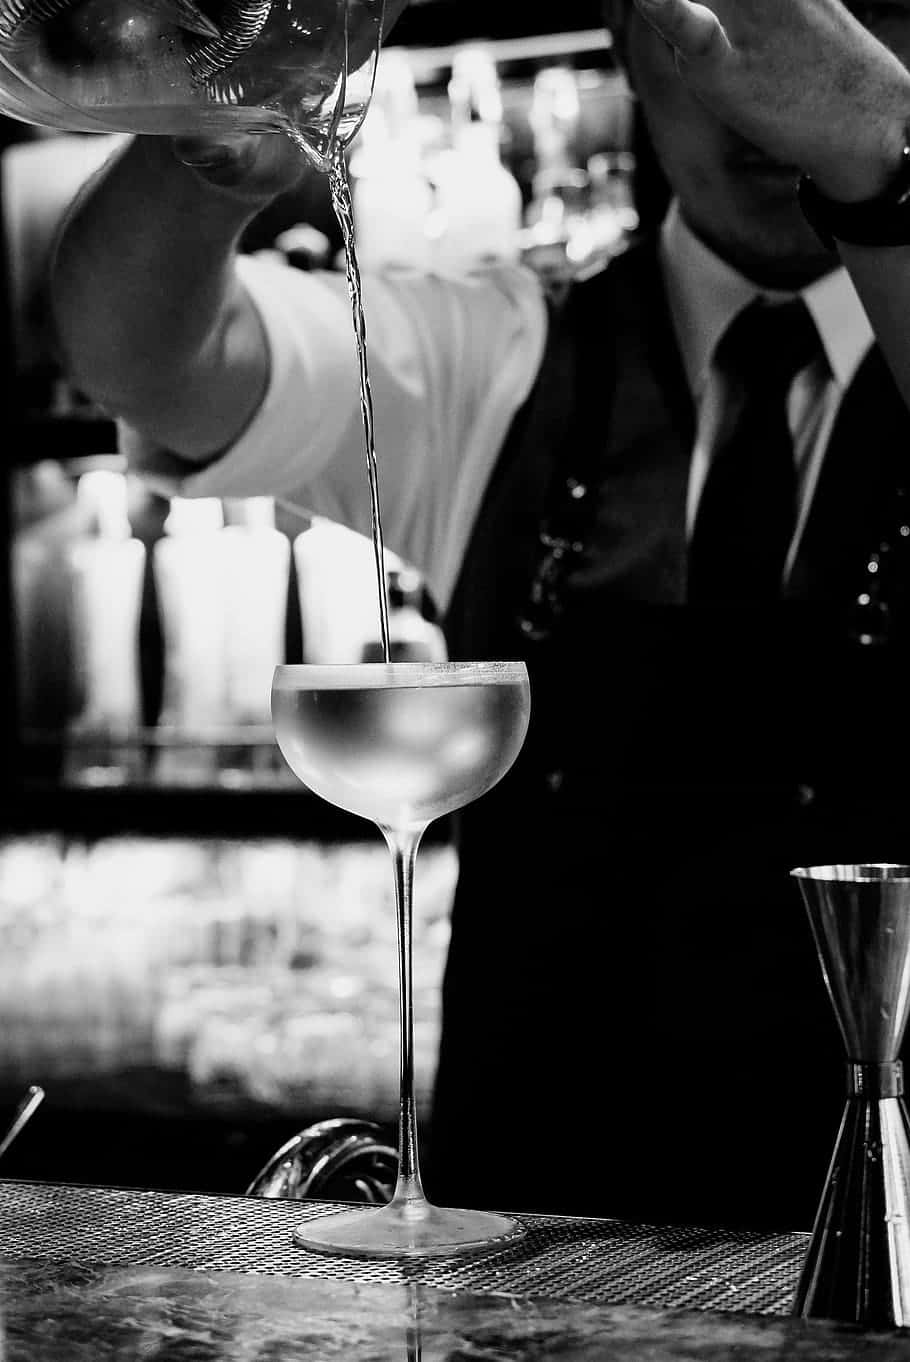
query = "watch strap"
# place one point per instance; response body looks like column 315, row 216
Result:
column 880, row 221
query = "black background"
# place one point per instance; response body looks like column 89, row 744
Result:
column 446, row 21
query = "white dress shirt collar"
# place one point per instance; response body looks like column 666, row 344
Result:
column 705, row 294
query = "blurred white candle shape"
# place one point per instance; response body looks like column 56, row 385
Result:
column 336, row 584
column 188, row 564
column 256, row 558
column 107, row 574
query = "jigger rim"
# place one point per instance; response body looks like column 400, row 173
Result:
column 861, row 872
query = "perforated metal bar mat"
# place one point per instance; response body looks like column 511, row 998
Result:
column 596, row 1262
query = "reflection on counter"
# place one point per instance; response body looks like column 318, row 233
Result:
column 261, row 973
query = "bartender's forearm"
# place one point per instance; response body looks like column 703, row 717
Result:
column 150, row 316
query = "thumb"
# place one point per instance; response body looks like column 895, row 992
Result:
column 256, row 164
column 692, row 29
column 217, row 157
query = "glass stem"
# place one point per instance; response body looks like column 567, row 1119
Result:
column 403, row 844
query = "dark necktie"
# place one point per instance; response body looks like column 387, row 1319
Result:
column 747, row 510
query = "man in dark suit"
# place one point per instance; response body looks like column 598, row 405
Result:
column 668, row 497
column 718, row 684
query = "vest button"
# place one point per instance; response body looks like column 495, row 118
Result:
column 554, row 781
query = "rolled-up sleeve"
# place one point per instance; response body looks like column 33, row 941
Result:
column 450, row 361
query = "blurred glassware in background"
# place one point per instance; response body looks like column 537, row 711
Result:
column 553, row 117
column 257, row 971
column 579, row 215
column 612, row 214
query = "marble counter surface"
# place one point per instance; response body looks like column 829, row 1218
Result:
column 55, row 1312
column 116, row 1275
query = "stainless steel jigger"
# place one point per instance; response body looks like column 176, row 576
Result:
column 858, row 1264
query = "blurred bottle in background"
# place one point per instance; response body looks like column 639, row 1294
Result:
column 553, row 116
column 256, row 559
column 107, row 564
column 413, row 635
column 336, row 583
column 393, row 199
column 189, row 576
column 339, row 608
column 478, row 206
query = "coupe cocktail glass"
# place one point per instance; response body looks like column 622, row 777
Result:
column 402, row 743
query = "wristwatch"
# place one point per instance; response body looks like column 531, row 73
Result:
column 882, row 221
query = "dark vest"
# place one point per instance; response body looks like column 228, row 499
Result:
column 632, row 990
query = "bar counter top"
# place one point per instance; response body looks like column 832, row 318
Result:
column 114, row 1274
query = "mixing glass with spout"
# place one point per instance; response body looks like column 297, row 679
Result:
column 191, row 67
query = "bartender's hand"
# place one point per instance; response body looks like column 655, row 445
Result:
column 803, row 79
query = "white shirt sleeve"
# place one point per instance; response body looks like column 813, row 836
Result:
column 450, row 360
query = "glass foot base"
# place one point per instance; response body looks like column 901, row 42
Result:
column 407, row 1231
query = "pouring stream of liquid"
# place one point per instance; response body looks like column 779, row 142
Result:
column 342, row 203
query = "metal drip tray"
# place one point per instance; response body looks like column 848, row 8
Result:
column 595, row 1262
